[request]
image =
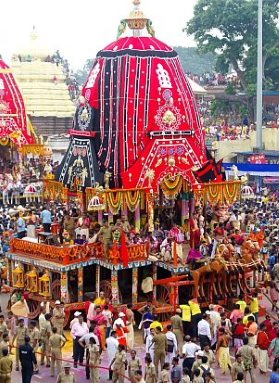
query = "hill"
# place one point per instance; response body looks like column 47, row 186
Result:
column 195, row 62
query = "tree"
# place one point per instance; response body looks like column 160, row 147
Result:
column 229, row 28
column 82, row 74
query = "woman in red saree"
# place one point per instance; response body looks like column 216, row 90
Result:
column 101, row 321
column 195, row 234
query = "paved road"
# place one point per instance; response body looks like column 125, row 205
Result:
column 44, row 373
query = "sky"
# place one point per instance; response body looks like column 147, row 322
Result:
column 79, row 29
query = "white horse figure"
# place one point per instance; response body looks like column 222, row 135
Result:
column 17, row 190
column 6, row 191
column 33, row 192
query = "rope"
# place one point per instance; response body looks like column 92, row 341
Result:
column 72, row 362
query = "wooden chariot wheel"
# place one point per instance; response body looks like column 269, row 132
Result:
column 34, row 308
column 105, row 286
column 56, row 290
column 163, row 299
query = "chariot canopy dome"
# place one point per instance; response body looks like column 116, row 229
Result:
column 143, row 107
column 13, row 122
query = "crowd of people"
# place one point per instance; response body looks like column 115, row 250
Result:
column 190, row 348
column 214, row 79
column 197, row 342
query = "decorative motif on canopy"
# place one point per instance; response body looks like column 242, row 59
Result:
column 53, row 191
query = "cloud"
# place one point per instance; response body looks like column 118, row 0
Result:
column 79, row 29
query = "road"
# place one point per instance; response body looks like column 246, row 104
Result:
column 44, row 373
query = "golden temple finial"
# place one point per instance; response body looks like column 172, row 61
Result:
column 136, row 21
column 34, row 34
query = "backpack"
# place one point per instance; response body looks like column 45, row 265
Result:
column 170, row 345
column 205, row 371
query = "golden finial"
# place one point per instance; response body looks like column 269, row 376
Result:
column 136, row 21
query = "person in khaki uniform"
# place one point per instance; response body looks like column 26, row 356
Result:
column 34, row 335
column 177, row 326
column 45, row 334
column 165, row 374
column 21, row 333
column 94, row 360
column 56, row 343
column 4, row 344
column 160, row 347
column 3, row 326
column 150, row 370
column 133, row 365
column 119, row 364
column 58, row 317
column 6, row 367
column 66, row 376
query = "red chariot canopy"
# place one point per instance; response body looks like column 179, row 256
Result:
column 13, row 123
column 147, row 122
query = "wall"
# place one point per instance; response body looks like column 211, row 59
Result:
column 227, row 149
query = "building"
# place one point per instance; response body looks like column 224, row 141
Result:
column 42, row 81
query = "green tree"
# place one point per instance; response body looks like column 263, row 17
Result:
column 229, row 28
column 82, row 74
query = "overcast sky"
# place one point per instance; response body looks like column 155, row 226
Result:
column 79, row 29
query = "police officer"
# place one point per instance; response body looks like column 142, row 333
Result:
column 28, row 360
column 56, row 342
column 21, row 333
column 34, row 335
column 45, row 334
column 66, row 376
column 6, row 367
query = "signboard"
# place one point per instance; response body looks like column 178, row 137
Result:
column 257, row 159
column 271, row 180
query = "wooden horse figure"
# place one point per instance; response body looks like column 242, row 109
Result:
column 33, row 192
column 17, row 190
column 6, row 192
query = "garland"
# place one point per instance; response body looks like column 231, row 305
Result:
column 4, row 141
column 132, row 199
column 114, row 201
column 227, row 192
column 213, row 193
column 232, row 192
column 171, row 186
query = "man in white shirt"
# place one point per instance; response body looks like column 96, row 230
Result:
column 215, row 320
column 42, row 319
column 149, row 344
column 79, row 329
column 189, row 350
column 91, row 309
column 112, row 347
column 204, row 331
column 171, row 344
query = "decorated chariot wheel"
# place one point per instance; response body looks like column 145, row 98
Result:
column 34, row 308
column 163, row 299
column 105, row 286
column 67, row 318
column 56, row 290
